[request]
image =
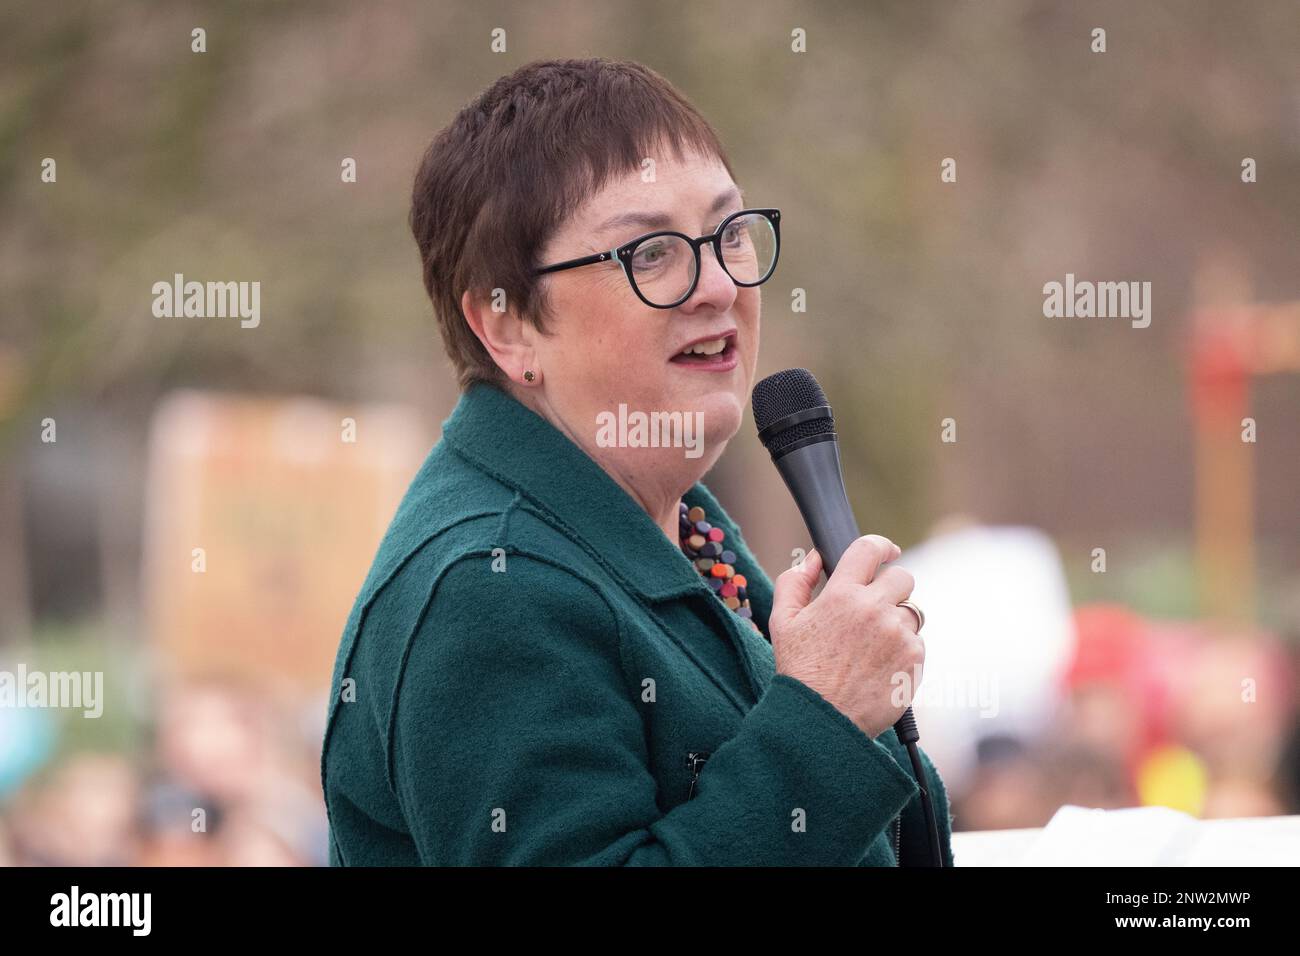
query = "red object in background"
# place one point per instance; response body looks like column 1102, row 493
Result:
column 1219, row 376
column 1120, row 650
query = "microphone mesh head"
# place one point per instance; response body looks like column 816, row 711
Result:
column 783, row 394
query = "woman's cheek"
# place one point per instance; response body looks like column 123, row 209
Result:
column 625, row 364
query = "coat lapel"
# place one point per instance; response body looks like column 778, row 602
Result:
column 519, row 448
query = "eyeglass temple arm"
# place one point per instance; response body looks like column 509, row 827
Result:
column 582, row 261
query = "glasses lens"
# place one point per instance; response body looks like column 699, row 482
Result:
column 749, row 248
column 663, row 268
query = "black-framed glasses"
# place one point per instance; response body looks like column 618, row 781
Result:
column 663, row 267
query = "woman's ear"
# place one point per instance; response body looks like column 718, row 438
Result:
column 507, row 337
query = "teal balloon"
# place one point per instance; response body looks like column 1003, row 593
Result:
column 27, row 738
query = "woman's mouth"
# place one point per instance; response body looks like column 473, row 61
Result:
column 713, row 355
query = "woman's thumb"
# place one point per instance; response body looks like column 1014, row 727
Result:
column 794, row 587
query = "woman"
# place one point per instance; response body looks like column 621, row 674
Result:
column 564, row 652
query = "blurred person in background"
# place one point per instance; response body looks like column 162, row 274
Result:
column 228, row 759
column 170, row 837
column 1007, row 788
column 82, row 814
column 1233, row 710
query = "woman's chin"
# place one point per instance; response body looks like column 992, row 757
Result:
column 723, row 413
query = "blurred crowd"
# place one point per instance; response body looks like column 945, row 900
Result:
column 1174, row 715
column 231, row 777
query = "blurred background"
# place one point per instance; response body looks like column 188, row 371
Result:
column 1108, row 554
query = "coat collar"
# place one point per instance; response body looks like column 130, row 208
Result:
column 516, row 446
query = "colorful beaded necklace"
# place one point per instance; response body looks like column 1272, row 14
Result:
column 703, row 544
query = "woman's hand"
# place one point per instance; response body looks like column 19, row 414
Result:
column 850, row 641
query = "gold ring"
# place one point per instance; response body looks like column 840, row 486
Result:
column 920, row 615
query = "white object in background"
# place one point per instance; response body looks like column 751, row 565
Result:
column 1138, row 836
column 999, row 634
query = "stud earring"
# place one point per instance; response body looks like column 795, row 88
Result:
column 529, row 376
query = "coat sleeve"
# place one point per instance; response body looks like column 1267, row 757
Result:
column 516, row 738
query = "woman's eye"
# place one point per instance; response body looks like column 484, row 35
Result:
column 651, row 255
column 737, row 233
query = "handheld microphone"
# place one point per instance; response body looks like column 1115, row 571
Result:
column 797, row 428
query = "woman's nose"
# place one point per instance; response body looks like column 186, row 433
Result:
column 715, row 287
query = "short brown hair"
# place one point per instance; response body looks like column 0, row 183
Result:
column 499, row 179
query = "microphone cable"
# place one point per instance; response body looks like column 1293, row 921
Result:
column 909, row 735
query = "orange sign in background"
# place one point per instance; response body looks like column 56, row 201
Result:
column 263, row 515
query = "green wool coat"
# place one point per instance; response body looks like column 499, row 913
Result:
column 533, row 674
